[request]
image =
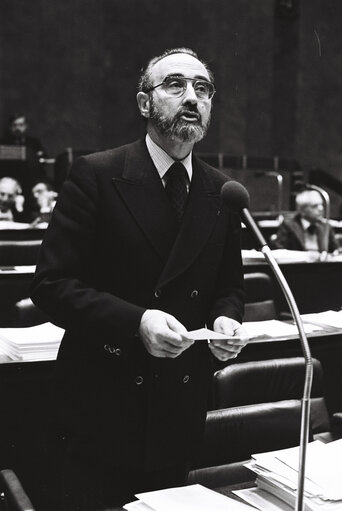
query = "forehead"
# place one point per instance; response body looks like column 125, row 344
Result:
column 41, row 187
column 178, row 64
column 7, row 187
column 19, row 120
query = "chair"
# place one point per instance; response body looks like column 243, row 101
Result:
column 259, row 304
column 257, row 408
column 27, row 314
column 12, row 495
column 63, row 164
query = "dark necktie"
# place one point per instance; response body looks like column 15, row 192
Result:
column 312, row 229
column 176, row 187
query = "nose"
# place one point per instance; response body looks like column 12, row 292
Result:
column 190, row 94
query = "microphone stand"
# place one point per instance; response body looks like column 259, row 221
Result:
column 305, row 410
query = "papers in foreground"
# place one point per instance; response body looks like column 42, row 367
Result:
column 40, row 342
column 186, row 498
column 277, row 478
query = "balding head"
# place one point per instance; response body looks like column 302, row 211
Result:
column 310, row 205
column 9, row 189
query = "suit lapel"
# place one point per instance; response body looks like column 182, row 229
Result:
column 141, row 189
column 298, row 231
column 198, row 222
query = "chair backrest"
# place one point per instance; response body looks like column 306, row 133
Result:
column 27, row 314
column 259, row 304
column 63, row 164
column 12, row 495
column 271, row 381
column 258, row 409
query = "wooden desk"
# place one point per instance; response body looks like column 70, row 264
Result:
column 316, row 286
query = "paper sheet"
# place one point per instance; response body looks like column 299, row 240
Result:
column 205, row 333
column 262, row 500
column 190, row 498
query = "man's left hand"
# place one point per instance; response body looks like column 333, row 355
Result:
column 224, row 350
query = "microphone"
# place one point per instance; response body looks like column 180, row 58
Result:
column 236, row 197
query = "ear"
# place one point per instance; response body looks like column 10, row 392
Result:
column 143, row 100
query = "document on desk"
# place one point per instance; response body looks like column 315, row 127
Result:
column 186, row 498
column 331, row 318
column 274, row 328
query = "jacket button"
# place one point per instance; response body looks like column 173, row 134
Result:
column 186, row 378
column 157, row 293
column 194, row 293
column 139, row 380
column 118, row 352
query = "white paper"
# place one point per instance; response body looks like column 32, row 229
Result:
column 190, row 498
column 331, row 318
column 262, row 500
column 274, row 328
column 205, row 333
column 137, row 505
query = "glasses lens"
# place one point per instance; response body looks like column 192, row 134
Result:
column 175, row 86
column 203, row 90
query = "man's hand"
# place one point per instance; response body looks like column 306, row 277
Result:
column 162, row 334
column 224, row 350
column 19, row 203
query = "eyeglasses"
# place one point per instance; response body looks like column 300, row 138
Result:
column 177, row 85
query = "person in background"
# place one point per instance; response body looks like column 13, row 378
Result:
column 17, row 134
column 45, row 200
column 307, row 229
column 12, row 200
column 141, row 250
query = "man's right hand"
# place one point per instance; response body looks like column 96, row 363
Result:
column 162, row 334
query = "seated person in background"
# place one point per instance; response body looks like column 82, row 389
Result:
column 11, row 200
column 45, row 200
column 306, row 230
column 16, row 134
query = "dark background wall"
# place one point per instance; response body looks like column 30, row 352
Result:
column 73, row 67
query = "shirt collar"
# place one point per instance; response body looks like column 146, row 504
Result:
column 163, row 161
column 305, row 223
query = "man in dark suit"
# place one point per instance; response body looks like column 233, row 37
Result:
column 17, row 134
column 307, row 230
column 139, row 251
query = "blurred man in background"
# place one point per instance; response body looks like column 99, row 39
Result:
column 307, row 230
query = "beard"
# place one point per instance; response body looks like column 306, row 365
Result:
column 177, row 128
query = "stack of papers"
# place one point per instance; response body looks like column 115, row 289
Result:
column 277, row 478
column 186, row 498
column 281, row 255
column 330, row 318
column 40, row 342
column 274, row 328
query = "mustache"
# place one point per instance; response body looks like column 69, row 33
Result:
column 189, row 110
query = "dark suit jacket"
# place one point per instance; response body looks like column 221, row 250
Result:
column 111, row 251
column 290, row 235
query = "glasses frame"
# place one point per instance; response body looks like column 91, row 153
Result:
column 184, row 78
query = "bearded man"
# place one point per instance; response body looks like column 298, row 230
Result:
column 139, row 252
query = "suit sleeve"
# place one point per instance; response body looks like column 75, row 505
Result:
column 229, row 290
column 61, row 286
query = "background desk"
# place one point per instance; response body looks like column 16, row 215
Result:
column 14, row 285
column 316, row 286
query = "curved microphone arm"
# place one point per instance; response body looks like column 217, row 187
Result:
column 305, row 411
column 326, row 202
